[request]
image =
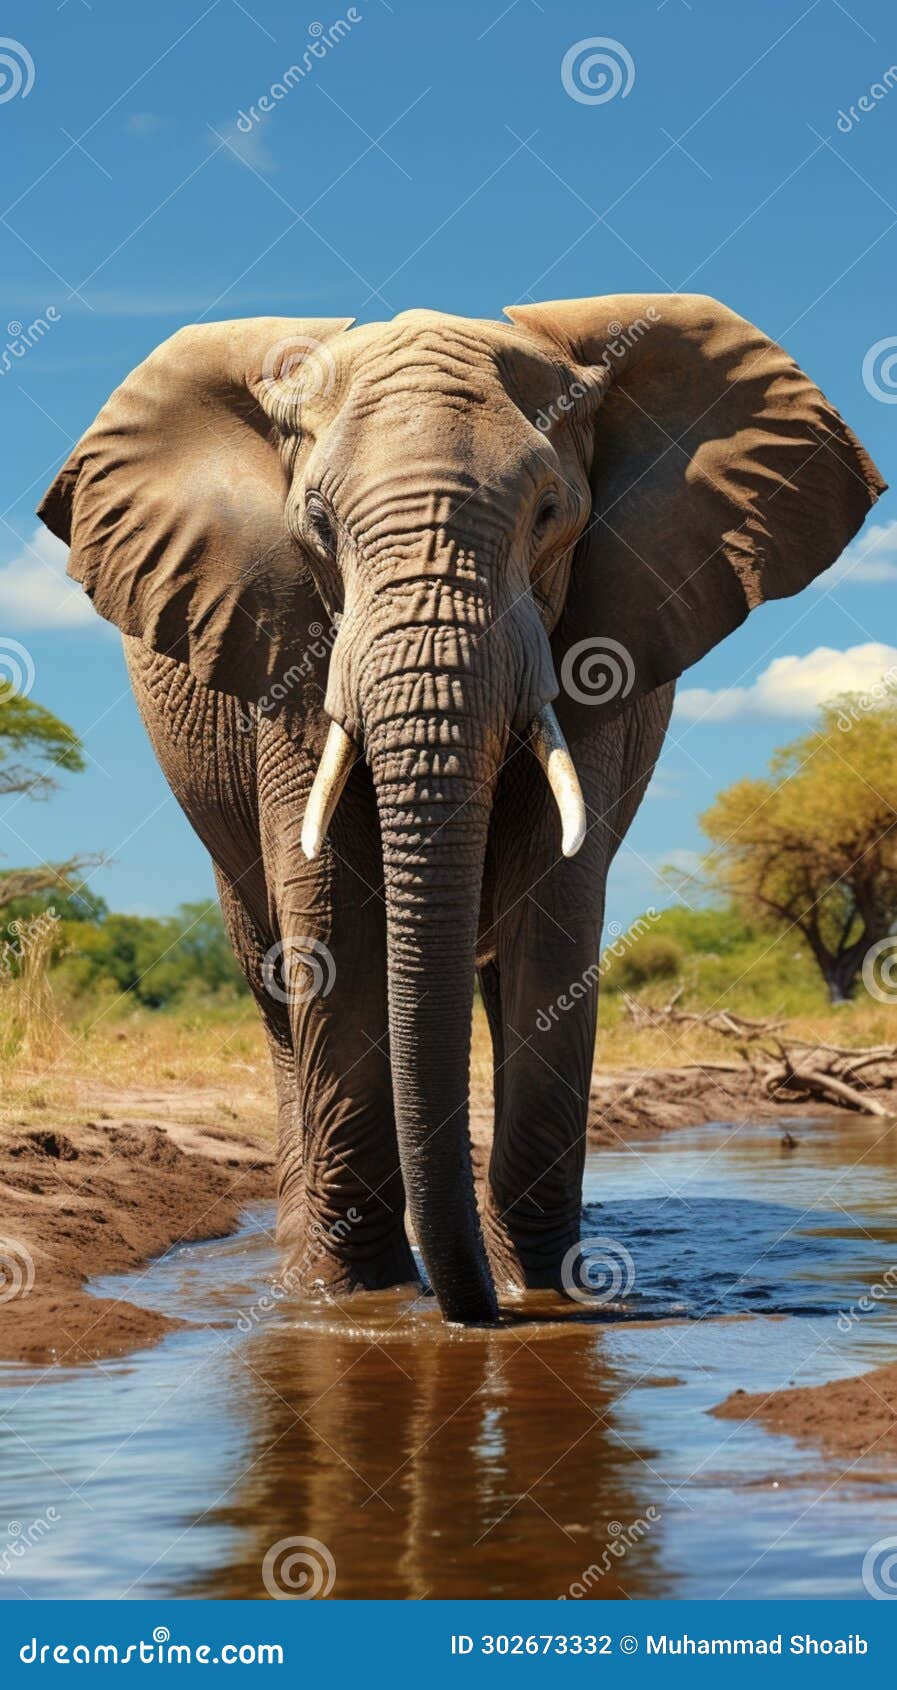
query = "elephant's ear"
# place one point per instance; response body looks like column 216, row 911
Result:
column 721, row 477
column 173, row 501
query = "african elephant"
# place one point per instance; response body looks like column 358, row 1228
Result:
column 473, row 511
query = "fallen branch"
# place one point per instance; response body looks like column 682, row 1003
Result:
column 847, row 1078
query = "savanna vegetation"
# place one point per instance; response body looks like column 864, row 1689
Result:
column 799, row 879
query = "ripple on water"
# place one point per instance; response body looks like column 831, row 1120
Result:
column 535, row 1459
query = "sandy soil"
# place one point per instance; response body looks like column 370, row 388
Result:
column 102, row 1194
column 631, row 1104
column 126, row 1172
column 848, row 1419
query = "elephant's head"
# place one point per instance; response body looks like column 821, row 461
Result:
column 475, row 502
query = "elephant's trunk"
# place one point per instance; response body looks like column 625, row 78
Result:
column 433, row 865
column 434, row 741
column 432, row 683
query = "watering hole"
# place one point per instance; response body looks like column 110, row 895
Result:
column 571, row 1455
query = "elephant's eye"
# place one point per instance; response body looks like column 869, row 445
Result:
column 321, row 524
column 547, row 511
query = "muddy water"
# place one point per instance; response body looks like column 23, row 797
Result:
column 567, row 1454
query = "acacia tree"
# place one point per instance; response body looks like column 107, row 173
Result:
column 35, row 746
column 814, row 846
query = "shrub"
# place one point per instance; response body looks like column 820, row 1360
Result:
column 651, row 957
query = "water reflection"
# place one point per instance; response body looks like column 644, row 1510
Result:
column 437, row 1465
column 535, row 1460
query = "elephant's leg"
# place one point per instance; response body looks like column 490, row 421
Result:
column 548, row 917
column 547, row 957
column 250, row 944
column 342, row 1222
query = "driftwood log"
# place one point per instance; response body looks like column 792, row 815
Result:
column 784, row 1067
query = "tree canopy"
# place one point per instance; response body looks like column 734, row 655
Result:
column 814, row 846
column 34, row 745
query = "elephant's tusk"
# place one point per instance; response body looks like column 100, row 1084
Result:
column 333, row 771
column 550, row 747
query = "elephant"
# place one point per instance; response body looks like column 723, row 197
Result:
column 376, row 582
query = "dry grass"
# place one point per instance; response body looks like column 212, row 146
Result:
column 621, row 1045
column 54, row 1058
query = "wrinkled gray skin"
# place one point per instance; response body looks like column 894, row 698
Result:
column 439, row 520
column 538, row 932
column 441, row 662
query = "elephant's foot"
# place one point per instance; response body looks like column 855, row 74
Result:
column 341, row 1256
column 529, row 1256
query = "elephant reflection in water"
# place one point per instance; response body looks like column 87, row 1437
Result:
column 432, row 1467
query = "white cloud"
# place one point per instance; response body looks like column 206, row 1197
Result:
column 870, row 558
column 246, row 146
column 34, row 591
column 792, row 686
column 144, row 124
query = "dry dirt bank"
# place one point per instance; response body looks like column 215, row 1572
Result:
column 121, row 1173
column 849, row 1418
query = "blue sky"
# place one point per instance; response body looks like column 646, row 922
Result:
column 434, row 157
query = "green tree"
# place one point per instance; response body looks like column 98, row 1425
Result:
column 814, row 846
column 34, row 745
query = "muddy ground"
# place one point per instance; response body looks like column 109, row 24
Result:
column 850, row 1419
column 130, row 1174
